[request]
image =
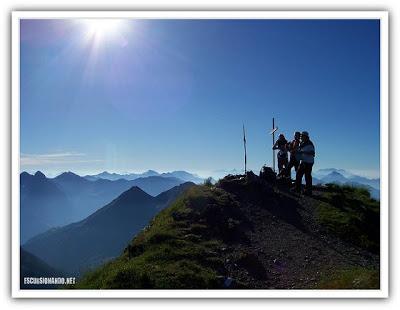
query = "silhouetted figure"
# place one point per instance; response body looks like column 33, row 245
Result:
column 282, row 156
column 307, row 154
column 293, row 147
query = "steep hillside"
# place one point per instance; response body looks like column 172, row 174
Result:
column 95, row 194
column 32, row 266
column 51, row 202
column 155, row 185
column 101, row 236
column 252, row 232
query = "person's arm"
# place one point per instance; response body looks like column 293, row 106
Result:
column 309, row 150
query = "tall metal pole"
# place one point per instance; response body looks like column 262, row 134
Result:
column 273, row 143
column 245, row 150
column 274, row 129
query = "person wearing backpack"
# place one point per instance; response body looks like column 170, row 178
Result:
column 307, row 154
column 293, row 148
column 281, row 145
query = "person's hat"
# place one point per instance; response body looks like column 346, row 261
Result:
column 281, row 135
column 297, row 133
column 305, row 133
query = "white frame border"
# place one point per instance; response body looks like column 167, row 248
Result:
column 383, row 292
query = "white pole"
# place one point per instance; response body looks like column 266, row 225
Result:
column 273, row 143
column 245, row 151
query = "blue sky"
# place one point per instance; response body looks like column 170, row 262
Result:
column 173, row 95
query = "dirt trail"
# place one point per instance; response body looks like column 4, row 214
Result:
column 287, row 248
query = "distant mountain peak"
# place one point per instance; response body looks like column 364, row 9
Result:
column 68, row 174
column 183, row 172
column 335, row 173
column 179, row 174
column 328, row 171
column 105, row 173
column 150, row 172
column 134, row 192
column 40, row 174
column 332, row 169
column 135, row 189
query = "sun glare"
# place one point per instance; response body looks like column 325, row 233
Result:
column 102, row 27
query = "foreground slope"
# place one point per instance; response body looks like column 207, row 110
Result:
column 251, row 232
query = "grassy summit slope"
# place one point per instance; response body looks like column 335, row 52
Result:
column 251, row 232
column 179, row 249
column 352, row 214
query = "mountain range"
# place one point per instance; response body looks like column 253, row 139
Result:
column 343, row 177
column 182, row 175
column 50, row 202
column 43, row 205
column 74, row 224
column 103, row 235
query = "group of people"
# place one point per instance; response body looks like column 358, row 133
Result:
column 302, row 153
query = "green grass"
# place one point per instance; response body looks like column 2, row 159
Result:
column 350, row 213
column 181, row 247
column 351, row 278
column 177, row 250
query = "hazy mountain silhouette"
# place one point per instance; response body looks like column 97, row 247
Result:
column 95, row 194
column 102, row 235
column 32, row 266
column 182, row 175
column 375, row 183
column 115, row 176
column 47, row 203
column 155, row 185
column 326, row 171
column 334, row 177
column 43, row 205
column 343, row 177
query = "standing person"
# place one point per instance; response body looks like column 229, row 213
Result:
column 280, row 145
column 293, row 148
column 307, row 154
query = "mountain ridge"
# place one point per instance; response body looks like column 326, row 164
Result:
column 100, row 236
column 41, row 202
column 180, row 174
column 341, row 176
column 251, row 232
column 48, row 202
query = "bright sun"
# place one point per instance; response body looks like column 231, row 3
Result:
column 102, row 27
